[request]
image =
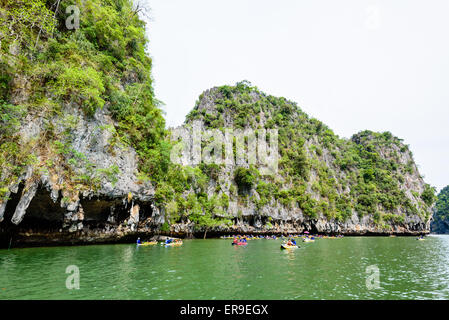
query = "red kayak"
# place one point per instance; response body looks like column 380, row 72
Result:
column 240, row 243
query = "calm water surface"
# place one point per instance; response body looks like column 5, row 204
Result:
column 213, row 269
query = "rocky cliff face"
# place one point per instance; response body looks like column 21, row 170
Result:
column 366, row 185
column 80, row 130
column 97, row 195
column 85, row 156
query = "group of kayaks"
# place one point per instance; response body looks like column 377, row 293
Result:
column 249, row 237
column 243, row 240
column 290, row 244
column 168, row 243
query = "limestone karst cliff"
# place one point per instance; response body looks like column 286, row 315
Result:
column 80, row 130
column 85, row 156
column 368, row 184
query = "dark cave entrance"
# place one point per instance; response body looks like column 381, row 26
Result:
column 43, row 213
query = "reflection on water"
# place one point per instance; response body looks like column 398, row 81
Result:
column 213, row 269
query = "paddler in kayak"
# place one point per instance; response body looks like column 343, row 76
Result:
column 138, row 241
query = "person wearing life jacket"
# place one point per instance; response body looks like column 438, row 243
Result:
column 138, row 241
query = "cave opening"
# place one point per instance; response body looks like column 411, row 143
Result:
column 98, row 210
column 43, row 213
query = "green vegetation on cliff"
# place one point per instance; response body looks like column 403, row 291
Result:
column 319, row 172
column 44, row 67
column 440, row 223
column 52, row 75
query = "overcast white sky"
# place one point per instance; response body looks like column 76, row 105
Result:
column 353, row 64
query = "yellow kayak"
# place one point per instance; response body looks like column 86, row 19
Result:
column 308, row 240
column 285, row 246
column 148, row 243
column 173, row 244
column 421, row 239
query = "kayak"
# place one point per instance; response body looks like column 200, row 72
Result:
column 308, row 240
column 240, row 244
column 173, row 244
column 285, row 246
column 421, row 239
column 149, row 243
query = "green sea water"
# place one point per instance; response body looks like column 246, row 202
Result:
column 213, row 269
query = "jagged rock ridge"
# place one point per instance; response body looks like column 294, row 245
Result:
column 366, row 185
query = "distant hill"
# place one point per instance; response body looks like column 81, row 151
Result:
column 440, row 222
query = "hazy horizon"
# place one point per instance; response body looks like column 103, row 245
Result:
column 354, row 65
